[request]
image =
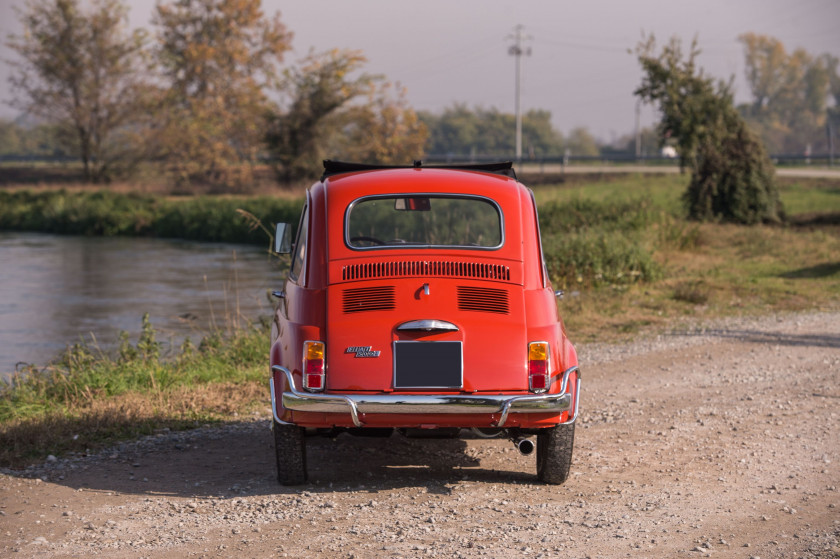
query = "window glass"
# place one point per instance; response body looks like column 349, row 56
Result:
column 300, row 246
column 424, row 220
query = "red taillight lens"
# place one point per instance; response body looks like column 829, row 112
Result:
column 313, row 366
column 539, row 372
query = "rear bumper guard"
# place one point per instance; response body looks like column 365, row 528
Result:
column 360, row 404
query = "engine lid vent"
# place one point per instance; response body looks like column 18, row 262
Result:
column 413, row 268
column 483, row 299
column 369, row 299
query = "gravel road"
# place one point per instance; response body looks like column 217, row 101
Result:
column 717, row 441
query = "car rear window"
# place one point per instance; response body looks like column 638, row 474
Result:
column 424, row 220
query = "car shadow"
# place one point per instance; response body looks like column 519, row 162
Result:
column 237, row 460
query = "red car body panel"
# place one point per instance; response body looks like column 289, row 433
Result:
column 354, row 300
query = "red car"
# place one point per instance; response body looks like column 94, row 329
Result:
column 418, row 300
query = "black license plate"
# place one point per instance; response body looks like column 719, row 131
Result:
column 427, row 365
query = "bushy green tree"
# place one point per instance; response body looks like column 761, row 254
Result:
column 83, row 72
column 732, row 177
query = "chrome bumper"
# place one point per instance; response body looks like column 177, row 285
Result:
column 360, row 404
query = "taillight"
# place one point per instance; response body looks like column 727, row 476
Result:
column 539, row 371
column 313, row 366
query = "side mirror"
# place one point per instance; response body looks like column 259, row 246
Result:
column 283, row 239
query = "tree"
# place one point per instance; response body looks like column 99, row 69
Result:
column 581, row 142
column 539, row 138
column 731, row 176
column 383, row 130
column 22, row 139
column 218, row 58
column 297, row 137
column 464, row 132
column 11, row 138
column 790, row 93
column 84, row 73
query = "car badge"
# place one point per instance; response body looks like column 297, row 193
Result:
column 362, row 351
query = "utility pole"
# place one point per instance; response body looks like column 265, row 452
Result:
column 518, row 50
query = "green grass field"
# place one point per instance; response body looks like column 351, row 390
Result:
column 699, row 270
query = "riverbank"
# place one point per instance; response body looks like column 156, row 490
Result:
column 227, row 219
column 87, row 398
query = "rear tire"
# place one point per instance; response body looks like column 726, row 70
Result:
column 554, row 453
column 290, row 450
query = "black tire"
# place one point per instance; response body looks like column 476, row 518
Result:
column 554, row 453
column 290, row 449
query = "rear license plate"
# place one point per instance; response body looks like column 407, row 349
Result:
column 426, row 365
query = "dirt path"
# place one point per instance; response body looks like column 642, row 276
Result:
column 713, row 443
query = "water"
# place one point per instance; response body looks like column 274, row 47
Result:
column 56, row 291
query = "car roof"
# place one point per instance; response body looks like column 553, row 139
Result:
column 349, row 186
column 332, row 167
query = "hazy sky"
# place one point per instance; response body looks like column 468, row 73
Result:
column 456, row 51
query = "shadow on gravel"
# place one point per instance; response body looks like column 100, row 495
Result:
column 237, row 460
column 759, row 337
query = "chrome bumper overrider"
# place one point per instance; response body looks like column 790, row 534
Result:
column 360, row 404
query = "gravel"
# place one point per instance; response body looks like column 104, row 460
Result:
column 710, row 440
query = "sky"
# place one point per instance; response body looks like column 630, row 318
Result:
column 456, row 51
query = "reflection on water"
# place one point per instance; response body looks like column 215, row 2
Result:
column 56, row 291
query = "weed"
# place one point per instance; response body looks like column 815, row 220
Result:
column 87, row 398
column 694, row 292
column 678, row 234
column 592, row 259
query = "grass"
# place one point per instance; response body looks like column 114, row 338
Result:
column 619, row 246
column 105, row 213
column 87, row 399
column 700, row 270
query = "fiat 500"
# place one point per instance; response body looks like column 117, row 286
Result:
column 418, row 300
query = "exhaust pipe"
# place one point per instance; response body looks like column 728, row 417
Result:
column 525, row 446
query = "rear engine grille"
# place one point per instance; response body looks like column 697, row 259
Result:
column 369, row 299
column 439, row 268
column 483, row 299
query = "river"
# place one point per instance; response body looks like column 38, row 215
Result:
column 56, row 291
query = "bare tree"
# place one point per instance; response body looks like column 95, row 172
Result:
column 84, row 72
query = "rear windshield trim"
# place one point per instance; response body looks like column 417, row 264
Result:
column 492, row 202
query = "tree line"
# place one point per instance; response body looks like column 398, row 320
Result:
column 206, row 94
